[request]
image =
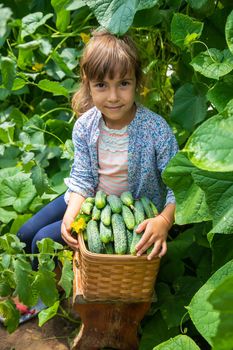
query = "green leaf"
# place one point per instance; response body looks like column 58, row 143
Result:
column 210, row 147
column 184, row 30
column 5, row 15
column 31, row 22
column 7, row 131
column 190, row 199
column 8, row 68
column 6, row 215
column 221, row 93
column 75, row 5
column 181, row 342
column 63, row 16
column 202, row 6
column 218, row 188
column 48, row 313
column 30, row 45
column 11, row 315
column 39, row 179
column 52, row 86
column 229, row 31
column 213, row 63
column 117, row 16
column 17, row 191
column 48, row 246
column 221, row 243
column 23, row 278
column 46, row 286
column 189, row 106
column 67, row 277
column 202, row 313
column 221, row 299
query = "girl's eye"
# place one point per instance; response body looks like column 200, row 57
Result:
column 100, row 85
column 124, row 83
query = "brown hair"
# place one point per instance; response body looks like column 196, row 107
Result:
column 102, row 55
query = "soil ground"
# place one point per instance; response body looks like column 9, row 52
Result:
column 56, row 334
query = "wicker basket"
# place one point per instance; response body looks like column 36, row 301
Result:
column 109, row 277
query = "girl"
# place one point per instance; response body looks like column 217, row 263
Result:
column 119, row 145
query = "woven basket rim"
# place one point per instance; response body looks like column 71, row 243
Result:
column 112, row 257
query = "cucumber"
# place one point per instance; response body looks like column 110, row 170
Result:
column 105, row 233
column 146, row 205
column 119, row 233
column 100, row 199
column 127, row 198
column 93, row 237
column 109, row 248
column 129, row 240
column 128, row 217
column 115, row 203
column 154, row 209
column 86, row 208
column 90, row 200
column 105, row 215
column 139, row 213
column 135, row 240
column 96, row 213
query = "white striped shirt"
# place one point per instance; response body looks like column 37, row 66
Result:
column 113, row 159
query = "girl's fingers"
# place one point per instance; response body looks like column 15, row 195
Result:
column 155, row 251
column 163, row 250
column 141, row 227
column 144, row 247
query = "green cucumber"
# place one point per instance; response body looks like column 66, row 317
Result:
column 128, row 217
column 115, row 203
column 100, row 199
column 139, row 213
column 135, row 240
column 109, row 248
column 119, row 233
column 105, row 215
column 96, row 213
column 105, row 233
column 93, row 237
column 129, row 240
column 127, row 198
column 90, row 200
column 86, row 208
column 146, row 205
column 154, row 209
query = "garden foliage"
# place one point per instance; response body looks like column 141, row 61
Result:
column 187, row 52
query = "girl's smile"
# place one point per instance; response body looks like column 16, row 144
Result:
column 115, row 98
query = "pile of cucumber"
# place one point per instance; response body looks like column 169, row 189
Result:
column 111, row 222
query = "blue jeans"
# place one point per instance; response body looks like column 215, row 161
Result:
column 46, row 223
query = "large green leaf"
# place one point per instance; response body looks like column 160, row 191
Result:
column 221, row 299
column 5, row 15
column 48, row 313
column 40, row 179
column 10, row 314
column 190, row 198
column 210, row 147
column 189, row 106
column 117, row 15
column 17, row 191
column 202, row 313
column 213, row 63
column 67, row 277
column 184, row 30
column 31, row 22
column 52, row 86
column 6, row 215
column 221, row 93
column 229, row 31
column 8, row 68
column 181, row 342
column 23, row 278
column 218, row 188
column 63, row 16
column 46, row 286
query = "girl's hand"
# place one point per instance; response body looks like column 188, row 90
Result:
column 66, row 232
column 155, row 233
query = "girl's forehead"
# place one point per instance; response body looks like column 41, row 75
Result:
column 116, row 75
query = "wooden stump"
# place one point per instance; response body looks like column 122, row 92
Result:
column 106, row 324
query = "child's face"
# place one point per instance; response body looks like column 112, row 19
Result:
column 115, row 99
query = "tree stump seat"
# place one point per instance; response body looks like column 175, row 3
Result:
column 110, row 325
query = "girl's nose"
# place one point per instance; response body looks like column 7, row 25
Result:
column 113, row 95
